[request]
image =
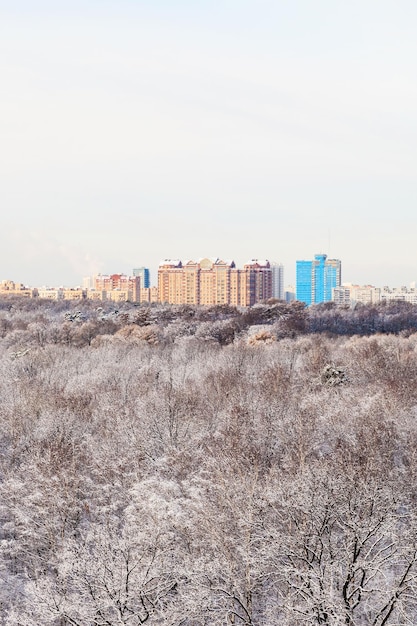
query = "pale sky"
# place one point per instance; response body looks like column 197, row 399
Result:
column 132, row 131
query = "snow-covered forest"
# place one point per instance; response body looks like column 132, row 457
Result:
column 188, row 466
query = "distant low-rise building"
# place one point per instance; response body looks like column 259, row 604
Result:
column 49, row 293
column 75, row 293
column 289, row 293
column 401, row 294
column 352, row 294
column 368, row 294
column 61, row 293
column 341, row 295
column 10, row 288
column 120, row 295
column 93, row 294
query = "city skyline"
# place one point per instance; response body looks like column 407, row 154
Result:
column 213, row 281
column 305, row 276
column 135, row 131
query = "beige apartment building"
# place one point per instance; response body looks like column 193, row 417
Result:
column 62, row 293
column 92, row 294
column 149, row 294
column 214, row 282
column 118, row 287
column 350, row 294
column 75, row 293
column 10, row 288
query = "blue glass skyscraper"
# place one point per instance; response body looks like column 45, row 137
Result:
column 304, row 283
column 316, row 279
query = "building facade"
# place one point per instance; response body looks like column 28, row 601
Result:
column 214, row 282
column 316, row 279
column 258, row 282
column 10, row 288
column 62, row 293
column 118, row 287
column 304, row 282
column 149, row 294
column 144, row 275
column 349, row 294
column 278, row 281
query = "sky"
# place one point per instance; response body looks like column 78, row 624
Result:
column 137, row 130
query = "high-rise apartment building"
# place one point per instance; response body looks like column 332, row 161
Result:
column 170, row 279
column 214, row 281
column 277, row 281
column 88, row 282
column 145, row 276
column 316, row 279
column 332, row 277
column 258, row 280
